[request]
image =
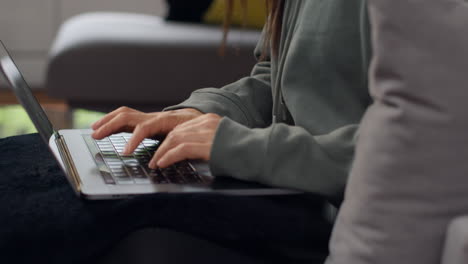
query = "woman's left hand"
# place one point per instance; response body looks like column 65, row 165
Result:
column 190, row 140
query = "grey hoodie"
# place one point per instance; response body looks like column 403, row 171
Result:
column 293, row 121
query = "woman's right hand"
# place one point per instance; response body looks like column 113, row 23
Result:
column 143, row 125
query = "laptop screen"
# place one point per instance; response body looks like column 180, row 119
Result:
column 24, row 94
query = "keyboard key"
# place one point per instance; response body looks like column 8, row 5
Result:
column 139, row 173
column 107, row 149
column 142, row 181
column 150, row 141
column 173, row 176
column 107, row 177
column 157, row 177
column 130, row 162
column 108, row 153
column 141, row 157
column 185, row 169
column 151, row 148
column 106, row 145
column 154, row 173
column 143, row 160
column 133, row 168
column 119, row 173
column 193, row 178
column 112, row 159
column 124, row 180
column 115, row 166
column 118, row 141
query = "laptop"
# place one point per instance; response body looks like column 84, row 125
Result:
column 97, row 169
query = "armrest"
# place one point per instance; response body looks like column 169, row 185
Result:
column 456, row 242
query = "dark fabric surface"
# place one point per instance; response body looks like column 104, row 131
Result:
column 42, row 220
column 187, row 10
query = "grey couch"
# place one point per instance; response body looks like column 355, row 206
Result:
column 104, row 60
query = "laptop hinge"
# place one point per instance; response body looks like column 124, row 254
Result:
column 68, row 162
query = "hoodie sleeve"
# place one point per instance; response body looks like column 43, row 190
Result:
column 285, row 156
column 247, row 101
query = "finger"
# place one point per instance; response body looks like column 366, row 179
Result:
column 96, row 125
column 159, row 125
column 170, row 142
column 183, row 152
column 181, row 138
column 144, row 130
column 123, row 122
column 196, row 132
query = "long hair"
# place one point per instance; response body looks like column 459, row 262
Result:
column 272, row 27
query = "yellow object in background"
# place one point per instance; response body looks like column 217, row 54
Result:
column 255, row 17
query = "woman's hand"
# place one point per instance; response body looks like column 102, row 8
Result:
column 143, row 125
column 190, row 140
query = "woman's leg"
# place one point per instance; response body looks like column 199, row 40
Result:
column 42, row 219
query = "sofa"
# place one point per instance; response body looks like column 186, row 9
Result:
column 104, row 60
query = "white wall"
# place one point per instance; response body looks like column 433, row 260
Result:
column 28, row 27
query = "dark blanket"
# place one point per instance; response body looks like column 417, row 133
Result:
column 42, row 221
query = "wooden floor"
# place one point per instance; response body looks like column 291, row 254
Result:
column 7, row 97
column 57, row 110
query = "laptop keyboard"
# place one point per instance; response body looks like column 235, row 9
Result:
column 133, row 169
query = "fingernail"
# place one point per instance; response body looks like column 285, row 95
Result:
column 160, row 162
column 126, row 150
column 152, row 164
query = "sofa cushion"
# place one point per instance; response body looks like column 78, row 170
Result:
column 213, row 11
column 142, row 61
column 409, row 179
column 254, row 16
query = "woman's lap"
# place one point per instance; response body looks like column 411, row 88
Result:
column 41, row 217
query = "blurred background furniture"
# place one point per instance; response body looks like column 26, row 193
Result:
column 28, row 28
column 148, row 62
column 101, row 61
